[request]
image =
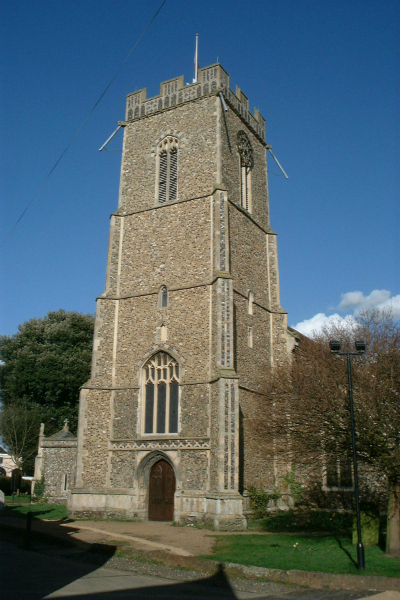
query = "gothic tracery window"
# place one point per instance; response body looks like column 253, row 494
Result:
column 246, row 164
column 167, row 170
column 161, row 394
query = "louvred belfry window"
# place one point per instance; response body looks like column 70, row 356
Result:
column 161, row 394
column 167, row 175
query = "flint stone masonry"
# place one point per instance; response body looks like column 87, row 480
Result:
column 209, row 252
column 55, row 462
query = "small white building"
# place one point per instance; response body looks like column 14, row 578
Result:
column 7, row 463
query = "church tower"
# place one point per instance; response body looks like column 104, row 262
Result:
column 190, row 323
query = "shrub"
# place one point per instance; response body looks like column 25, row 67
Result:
column 295, row 488
column 260, row 500
column 39, row 489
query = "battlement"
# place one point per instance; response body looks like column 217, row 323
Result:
column 173, row 92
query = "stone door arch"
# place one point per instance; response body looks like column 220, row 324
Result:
column 162, row 485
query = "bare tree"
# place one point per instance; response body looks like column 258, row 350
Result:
column 310, row 410
column 19, row 428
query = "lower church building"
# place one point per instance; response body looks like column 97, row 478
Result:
column 190, row 325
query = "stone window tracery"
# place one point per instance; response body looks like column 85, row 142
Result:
column 246, row 164
column 161, row 394
column 167, row 170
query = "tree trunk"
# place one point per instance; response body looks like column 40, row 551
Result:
column 393, row 520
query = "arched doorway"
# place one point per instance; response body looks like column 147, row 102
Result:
column 161, row 492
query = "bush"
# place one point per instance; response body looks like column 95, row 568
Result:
column 39, row 489
column 295, row 488
column 260, row 501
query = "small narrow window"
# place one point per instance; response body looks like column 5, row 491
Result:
column 246, row 164
column 250, row 303
column 163, row 297
column 65, row 482
column 250, row 337
column 167, row 170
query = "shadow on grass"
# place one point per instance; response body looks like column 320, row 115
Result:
column 347, row 553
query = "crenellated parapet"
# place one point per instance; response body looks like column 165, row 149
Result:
column 174, row 92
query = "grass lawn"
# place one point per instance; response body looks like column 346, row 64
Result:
column 40, row 511
column 324, row 553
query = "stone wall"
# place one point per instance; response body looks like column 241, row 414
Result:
column 56, row 462
column 58, row 470
column 93, row 465
column 231, row 124
column 253, row 364
column 256, row 443
column 166, row 245
column 194, row 125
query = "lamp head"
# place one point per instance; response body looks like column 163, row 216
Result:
column 360, row 346
column 334, row 346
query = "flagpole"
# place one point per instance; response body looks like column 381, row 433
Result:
column 196, row 59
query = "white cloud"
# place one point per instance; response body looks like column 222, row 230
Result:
column 380, row 299
column 310, row 326
column 352, row 302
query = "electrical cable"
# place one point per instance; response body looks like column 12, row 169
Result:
column 84, row 121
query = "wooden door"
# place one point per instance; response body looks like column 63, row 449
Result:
column 161, row 492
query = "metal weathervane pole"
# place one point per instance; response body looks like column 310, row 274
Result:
column 196, row 59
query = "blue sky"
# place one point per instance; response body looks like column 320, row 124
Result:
column 324, row 74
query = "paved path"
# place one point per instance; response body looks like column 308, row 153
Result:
column 140, row 542
column 149, row 535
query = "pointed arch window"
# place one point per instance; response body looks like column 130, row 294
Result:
column 161, row 394
column 167, row 170
column 246, row 164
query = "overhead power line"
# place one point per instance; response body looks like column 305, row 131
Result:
column 83, row 123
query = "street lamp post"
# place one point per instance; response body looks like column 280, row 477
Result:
column 360, row 349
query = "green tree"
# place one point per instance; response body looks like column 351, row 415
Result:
column 308, row 415
column 46, row 363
